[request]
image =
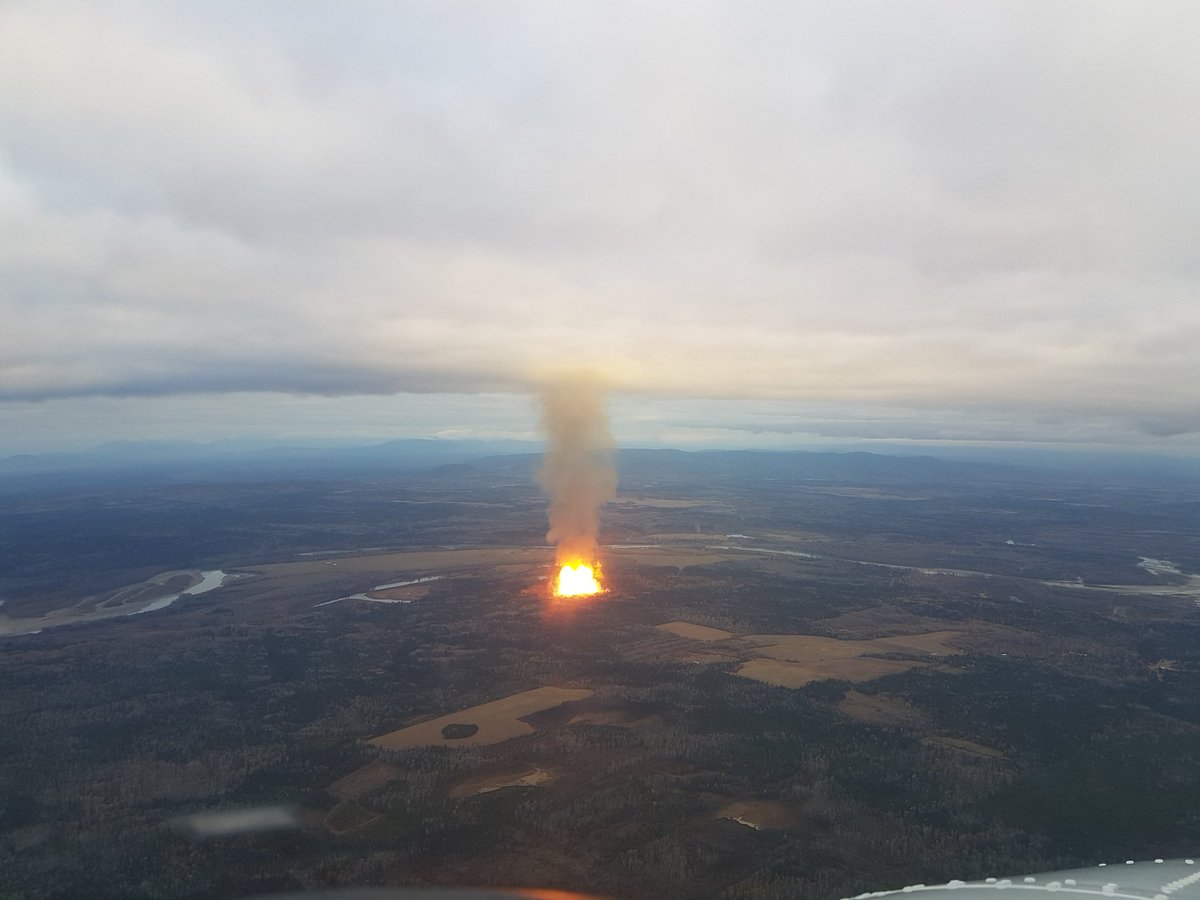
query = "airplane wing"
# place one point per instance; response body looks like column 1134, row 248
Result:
column 1162, row 879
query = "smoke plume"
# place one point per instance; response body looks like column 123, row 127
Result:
column 577, row 472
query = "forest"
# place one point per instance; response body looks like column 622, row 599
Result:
column 1064, row 730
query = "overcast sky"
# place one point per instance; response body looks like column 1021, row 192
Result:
column 763, row 222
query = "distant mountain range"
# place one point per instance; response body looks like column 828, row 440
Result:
column 244, row 461
column 184, row 461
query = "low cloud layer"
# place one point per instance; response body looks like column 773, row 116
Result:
column 983, row 215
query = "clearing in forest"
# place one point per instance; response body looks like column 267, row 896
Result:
column 881, row 709
column 794, row 660
column 349, row 816
column 619, row 718
column 365, row 778
column 794, row 675
column 485, row 784
column 695, row 632
column 760, row 814
column 963, row 746
column 497, row 721
column 807, row 648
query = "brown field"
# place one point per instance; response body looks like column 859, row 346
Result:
column 809, row 648
column 761, row 814
column 793, row 660
column 803, row 647
column 933, row 643
column 372, row 775
column 498, row 720
column 937, row 740
column 485, row 784
column 662, row 644
column 793, row 674
column 695, row 632
column 882, row 621
column 881, row 709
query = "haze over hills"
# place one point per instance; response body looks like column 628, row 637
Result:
column 268, row 459
column 404, row 452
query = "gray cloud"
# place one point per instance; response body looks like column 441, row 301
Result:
column 980, row 213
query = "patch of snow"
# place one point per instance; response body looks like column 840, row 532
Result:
column 1158, row 566
column 396, row 584
column 382, row 587
column 742, row 821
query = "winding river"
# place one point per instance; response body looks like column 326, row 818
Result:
column 73, row 615
column 1189, row 588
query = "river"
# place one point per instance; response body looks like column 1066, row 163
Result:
column 208, row 581
column 1190, row 587
column 74, row 615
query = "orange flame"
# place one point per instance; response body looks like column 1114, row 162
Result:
column 578, row 580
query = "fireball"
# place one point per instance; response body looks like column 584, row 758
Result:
column 577, row 580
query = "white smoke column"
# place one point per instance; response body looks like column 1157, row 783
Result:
column 577, row 472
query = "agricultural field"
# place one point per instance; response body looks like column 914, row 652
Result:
column 696, row 632
column 495, row 721
column 794, row 660
column 843, row 668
